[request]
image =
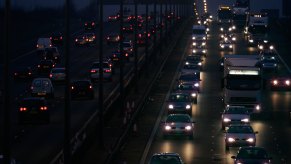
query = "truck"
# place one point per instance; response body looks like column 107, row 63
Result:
column 242, row 82
column 224, row 14
column 257, row 23
column 239, row 11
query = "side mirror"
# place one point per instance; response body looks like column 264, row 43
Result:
column 233, row 157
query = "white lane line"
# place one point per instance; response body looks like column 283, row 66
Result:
column 157, row 124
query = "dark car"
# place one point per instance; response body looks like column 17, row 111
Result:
column 127, row 27
column 190, row 89
column 193, row 78
column 166, row 158
column 252, row 155
column 115, row 56
column 57, row 39
column 112, row 38
column 82, row 89
column 269, row 64
column 52, row 53
column 23, row 73
column 45, row 66
column 281, row 83
column 90, row 25
column 141, row 37
column 33, row 110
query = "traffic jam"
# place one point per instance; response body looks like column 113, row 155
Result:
column 243, row 81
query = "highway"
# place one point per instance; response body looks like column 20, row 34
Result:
column 208, row 143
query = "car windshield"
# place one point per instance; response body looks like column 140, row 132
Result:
column 252, row 154
column 236, row 110
column 179, row 98
column 178, row 118
column 191, row 66
column 190, row 77
column 97, row 65
column 199, row 31
column 185, row 87
column 165, row 159
column 81, row 83
column 240, row 129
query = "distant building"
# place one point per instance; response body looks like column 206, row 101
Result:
column 286, row 5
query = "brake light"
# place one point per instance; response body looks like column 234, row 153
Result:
column 51, row 38
column 51, row 75
column 94, row 37
column 139, row 35
column 21, row 109
column 93, row 71
column 53, row 65
column 76, row 40
column 61, row 37
column 107, row 70
column 93, row 23
column 37, row 46
column 43, row 108
column 126, row 54
column 90, row 86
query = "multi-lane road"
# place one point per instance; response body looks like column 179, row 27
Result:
column 208, row 143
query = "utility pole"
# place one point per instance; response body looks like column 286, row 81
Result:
column 67, row 118
column 6, row 95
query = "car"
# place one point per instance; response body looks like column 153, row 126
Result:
column 52, row 53
column 127, row 47
column 190, row 89
column 127, row 28
column 141, row 37
column 226, row 45
column 199, row 50
column 169, row 158
column 194, row 60
column 58, row 74
column 107, row 71
column 239, row 135
column 282, row 82
column 178, row 124
column 89, row 25
column 193, row 78
column 252, row 155
column 265, row 45
column 113, row 18
column 43, row 43
column 23, row 73
column 82, row 88
column 112, row 38
column 33, row 110
column 268, row 64
column 200, row 43
column 42, row 87
column 268, row 54
column 90, row 37
column 234, row 115
column 190, row 68
column 80, row 40
column 45, row 66
column 179, row 103
column 115, row 57
column 57, row 39
column 253, row 40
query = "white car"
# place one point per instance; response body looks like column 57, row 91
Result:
column 178, row 124
column 42, row 87
column 58, row 74
column 234, row 115
column 239, row 135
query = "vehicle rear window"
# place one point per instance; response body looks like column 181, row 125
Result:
column 178, row 118
column 32, row 102
column 165, row 160
column 180, row 97
column 240, row 129
column 97, row 65
column 58, row 70
column 81, row 83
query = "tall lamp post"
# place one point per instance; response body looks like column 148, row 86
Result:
column 121, row 76
column 135, row 47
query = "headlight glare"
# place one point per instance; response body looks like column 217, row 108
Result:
column 188, row 106
column 230, row 139
column 226, row 120
column 171, row 106
column 188, row 127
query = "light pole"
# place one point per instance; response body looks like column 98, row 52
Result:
column 135, row 47
column 121, row 76
column 147, row 38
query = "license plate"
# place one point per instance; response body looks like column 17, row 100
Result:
column 41, row 94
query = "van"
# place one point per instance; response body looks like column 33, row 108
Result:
column 43, row 43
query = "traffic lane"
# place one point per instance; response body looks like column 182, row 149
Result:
column 75, row 116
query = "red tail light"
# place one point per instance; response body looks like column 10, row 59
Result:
column 61, row 37
column 93, row 23
column 51, row 75
column 43, row 108
column 76, row 40
column 93, row 71
column 37, row 46
column 90, row 86
column 114, row 55
column 126, row 54
column 53, row 65
column 51, row 38
column 85, row 24
column 139, row 35
column 94, row 37
column 107, row 70
column 21, row 109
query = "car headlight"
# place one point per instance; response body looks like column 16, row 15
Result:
column 188, row 106
column 203, row 44
column 193, row 94
column 271, row 47
column 221, row 29
column 261, row 47
column 171, row 106
column 193, row 37
column 226, row 120
column 250, row 140
column 200, row 63
column 251, row 41
column 188, row 127
column 258, row 107
column 287, row 82
column 230, row 46
column 187, row 63
column 275, row 82
column 221, row 64
column 222, row 46
column 196, row 84
column 234, row 39
column 204, row 51
column 233, row 27
column 204, row 38
column 167, row 127
column 245, row 120
column 194, row 51
column 194, row 43
column 230, row 139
